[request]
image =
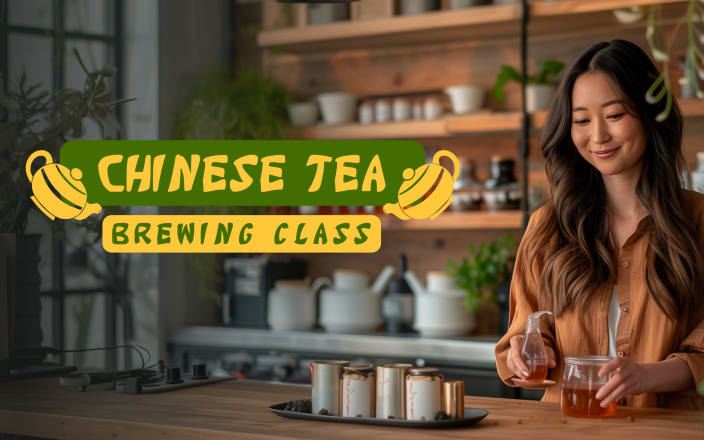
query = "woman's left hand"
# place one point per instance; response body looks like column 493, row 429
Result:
column 628, row 377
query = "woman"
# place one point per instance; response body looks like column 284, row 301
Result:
column 615, row 254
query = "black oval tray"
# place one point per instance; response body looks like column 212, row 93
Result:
column 471, row 416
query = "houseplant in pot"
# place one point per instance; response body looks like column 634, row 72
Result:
column 485, row 276
column 31, row 119
column 540, row 88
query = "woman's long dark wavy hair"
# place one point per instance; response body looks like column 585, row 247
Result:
column 574, row 236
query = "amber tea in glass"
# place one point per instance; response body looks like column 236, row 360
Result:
column 533, row 350
column 580, row 383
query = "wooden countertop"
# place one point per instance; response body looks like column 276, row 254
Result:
column 237, row 409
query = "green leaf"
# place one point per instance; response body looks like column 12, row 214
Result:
column 550, row 68
column 506, row 74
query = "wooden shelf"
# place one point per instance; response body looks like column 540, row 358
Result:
column 477, row 22
column 451, row 125
column 489, row 22
column 457, row 221
column 569, row 7
column 388, row 130
column 447, row 126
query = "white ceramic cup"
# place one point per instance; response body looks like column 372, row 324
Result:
column 303, row 113
column 337, row 107
column 465, row 99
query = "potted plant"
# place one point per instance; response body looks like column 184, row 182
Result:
column 540, row 88
column 485, row 276
column 33, row 119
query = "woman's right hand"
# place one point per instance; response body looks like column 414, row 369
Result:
column 515, row 361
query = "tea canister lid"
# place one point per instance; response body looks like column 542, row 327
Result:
column 426, row 371
column 393, row 365
column 341, row 363
column 363, row 369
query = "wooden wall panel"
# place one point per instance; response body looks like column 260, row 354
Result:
column 425, row 250
column 397, row 71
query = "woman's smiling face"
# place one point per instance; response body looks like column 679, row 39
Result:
column 606, row 133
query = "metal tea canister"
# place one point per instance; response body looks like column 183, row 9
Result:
column 326, row 394
column 390, row 391
column 453, row 398
column 358, row 397
column 423, row 393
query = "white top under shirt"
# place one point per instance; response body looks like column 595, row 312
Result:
column 614, row 315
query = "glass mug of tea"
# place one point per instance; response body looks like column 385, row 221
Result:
column 580, row 383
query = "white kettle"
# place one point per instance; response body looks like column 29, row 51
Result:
column 350, row 305
column 440, row 308
column 291, row 304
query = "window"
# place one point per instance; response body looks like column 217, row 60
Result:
column 39, row 38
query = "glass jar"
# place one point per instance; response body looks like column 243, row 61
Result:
column 580, row 383
column 502, row 191
column 467, row 191
column 423, row 393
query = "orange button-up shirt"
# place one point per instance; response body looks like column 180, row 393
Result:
column 645, row 334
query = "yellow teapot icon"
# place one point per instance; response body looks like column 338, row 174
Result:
column 59, row 192
column 427, row 191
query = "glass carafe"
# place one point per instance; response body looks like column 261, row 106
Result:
column 533, row 350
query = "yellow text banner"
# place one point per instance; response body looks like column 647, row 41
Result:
column 242, row 233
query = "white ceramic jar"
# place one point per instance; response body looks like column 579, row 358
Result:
column 327, row 13
column 460, row 4
column 432, row 107
column 411, row 7
column 401, row 109
column 366, row 112
column 382, row 110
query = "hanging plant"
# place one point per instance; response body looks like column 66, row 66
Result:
column 660, row 49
